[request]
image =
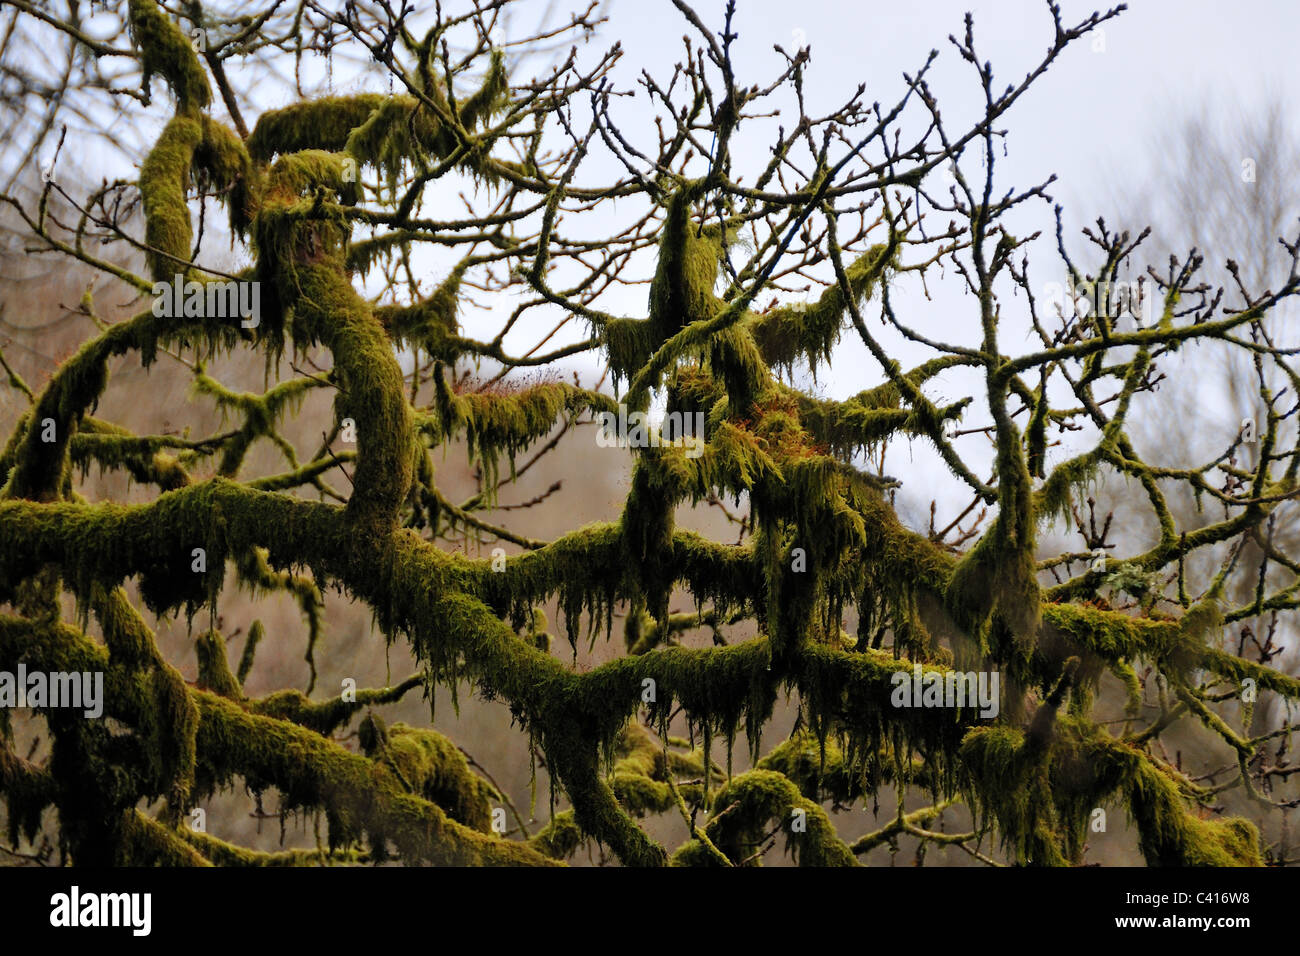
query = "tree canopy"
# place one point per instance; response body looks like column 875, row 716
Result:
column 328, row 202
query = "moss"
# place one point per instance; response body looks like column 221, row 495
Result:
column 27, row 791
column 490, row 97
column 560, row 838
column 302, row 173
column 167, row 52
column 741, row 816
column 401, row 130
column 147, row 842
column 221, row 853
column 323, row 124
column 809, row 332
column 1068, row 482
column 304, row 259
column 214, row 672
column 164, row 177
column 143, row 457
column 817, row 768
column 256, row 631
column 429, row 765
column 1170, row 836
column 999, row 575
column 430, row 324
column 166, row 720
column 682, row 294
column 504, row 424
column 1007, row 780
column 223, row 160
column 327, row 716
column 256, row 572
column 644, row 773
column 359, row 796
column 1036, row 435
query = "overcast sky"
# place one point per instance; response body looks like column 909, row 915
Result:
column 1101, row 115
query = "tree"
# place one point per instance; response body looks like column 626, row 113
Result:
column 976, row 665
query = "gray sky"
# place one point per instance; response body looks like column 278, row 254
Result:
column 1101, row 113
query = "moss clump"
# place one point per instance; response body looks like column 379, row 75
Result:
column 430, row 324
column 429, row 765
column 323, row 124
column 164, row 177
column 560, row 838
column 497, row 424
column 791, row 332
column 1170, row 836
column 167, row 52
column 214, row 672
column 742, row 814
column 327, row 716
column 227, row 168
column 256, row 631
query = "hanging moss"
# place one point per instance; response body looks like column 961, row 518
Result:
column 1170, row 836
column 112, row 447
column 490, row 97
column 224, row 160
column 497, row 424
column 27, row 791
column 809, row 332
column 167, row 52
column 256, row 631
column 323, row 124
column 430, row 324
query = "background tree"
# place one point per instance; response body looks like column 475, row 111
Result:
column 326, row 198
column 1203, row 192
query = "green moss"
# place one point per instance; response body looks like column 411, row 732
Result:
column 430, row 324
column 214, row 672
column 809, row 332
column 327, row 716
column 1170, row 836
column 223, row 160
column 322, row 124
column 167, row 52
column 256, row 631
column 429, row 765
column 164, row 177
column 490, row 97
column 999, row 575
column 504, row 424
column 560, row 838
column 1007, row 781
column 359, row 796
column 221, row 853
column 742, row 814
